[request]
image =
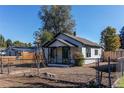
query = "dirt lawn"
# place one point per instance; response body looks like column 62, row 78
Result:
column 62, row 77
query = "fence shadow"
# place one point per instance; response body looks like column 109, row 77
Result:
column 104, row 68
column 28, row 65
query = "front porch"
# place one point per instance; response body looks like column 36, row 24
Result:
column 60, row 56
column 60, row 51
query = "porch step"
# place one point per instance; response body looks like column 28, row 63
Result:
column 58, row 65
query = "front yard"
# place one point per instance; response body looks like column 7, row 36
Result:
column 63, row 77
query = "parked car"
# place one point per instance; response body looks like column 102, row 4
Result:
column 3, row 53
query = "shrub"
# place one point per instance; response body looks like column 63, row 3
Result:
column 92, row 84
column 79, row 59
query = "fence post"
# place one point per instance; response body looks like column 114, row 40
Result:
column 38, row 67
column 101, row 77
column 8, row 68
column 97, row 74
column 1, row 63
column 122, row 65
column 109, row 71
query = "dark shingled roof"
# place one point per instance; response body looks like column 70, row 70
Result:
column 83, row 40
column 60, row 40
column 79, row 39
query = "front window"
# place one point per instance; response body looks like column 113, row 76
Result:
column 96, row 52
column 88, row 52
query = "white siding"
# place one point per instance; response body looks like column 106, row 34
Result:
column 89, row 61
column 84, row 51
column 93, row 57
column 93, row 53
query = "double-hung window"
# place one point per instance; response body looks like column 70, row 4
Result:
column 96, row 52
column 88, row 52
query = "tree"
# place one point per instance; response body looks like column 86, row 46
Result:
column 8, row 42
column 41, row 38
column 122, row 37
column 17, row 43
column 54, row 19
column 109, row 39
column 57, row 19
column 21, row 44
column 29, row 44
column 2, row 41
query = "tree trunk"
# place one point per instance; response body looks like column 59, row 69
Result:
column 45, row 61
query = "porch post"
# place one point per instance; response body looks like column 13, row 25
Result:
column 62, row 54
column 69, row 55
column 56, row 54
column 48, row 55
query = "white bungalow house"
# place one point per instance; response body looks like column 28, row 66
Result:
column 60, row 50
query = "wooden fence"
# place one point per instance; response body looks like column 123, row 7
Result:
column 26, row 57
column 114, row 55
column 8, row 59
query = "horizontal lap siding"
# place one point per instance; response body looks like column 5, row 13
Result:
column 93, row 58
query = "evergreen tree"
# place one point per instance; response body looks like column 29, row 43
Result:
column 2, row 41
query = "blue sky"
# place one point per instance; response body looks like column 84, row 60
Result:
column 20, row 22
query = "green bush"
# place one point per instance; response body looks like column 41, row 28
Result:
column 79, row 59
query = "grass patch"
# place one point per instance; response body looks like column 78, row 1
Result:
column 121, row 83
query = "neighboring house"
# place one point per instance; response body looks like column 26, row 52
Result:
column 61, row 49
column 19, row 51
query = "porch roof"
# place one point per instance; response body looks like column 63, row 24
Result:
column 61, row 43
